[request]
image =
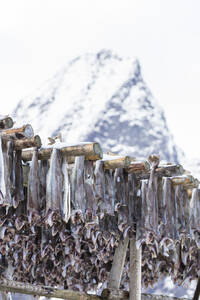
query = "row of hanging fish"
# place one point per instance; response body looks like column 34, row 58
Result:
column 167, row 211
column 79, row 255
column 63, row 227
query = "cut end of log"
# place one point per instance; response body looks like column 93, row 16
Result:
column 37, row 141
column 28, row 131
column 6, row 123
column 181, row 169
column 97, row 151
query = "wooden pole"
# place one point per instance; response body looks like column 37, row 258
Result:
column 197, row 291
column 91, row 151
column 46, row 291
column 114, row 163
column 30, row 289
column 142, row 170
column 118, row 264
column 27, row 143
column 137, row 166
column 24, row 131
column 6, row 296
column 188, row 181
column 135, row 271
column 169, row 170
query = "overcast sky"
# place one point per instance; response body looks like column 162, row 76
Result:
column 37, row 37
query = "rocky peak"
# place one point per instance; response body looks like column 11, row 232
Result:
column 100, row 97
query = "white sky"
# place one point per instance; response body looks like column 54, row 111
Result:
column 37, row 37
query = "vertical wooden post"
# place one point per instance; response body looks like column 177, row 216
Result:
column 6, row 296
column 118, row 264
column 135, row 271
column 197, row 291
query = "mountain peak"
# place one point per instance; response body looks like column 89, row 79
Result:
column 101, row 97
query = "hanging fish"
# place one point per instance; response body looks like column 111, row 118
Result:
column 18, row 194
column 11, row 156
column 152, row 201
column 119, row 186
column 78, row 190
column 132, row 199
column 91, row 203
column 143, row 224
column 99, row 183
column 167, row 187
column 185, row 245
column 195, row 210
column 180, row 209
column 2, row 174
column 186, row 209
column 109, row 192
column 174, row 214
column 6, row 170
column 33, row 196
column 54, row 184
column 66, row 200
column 43, row 169
column 161, row 208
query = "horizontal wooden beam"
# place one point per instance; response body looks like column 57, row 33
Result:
column 25, row 131
column 116, row 162
column 197, row 291
column 46, row 291
column 35, row 141
column 112, row 294
column 91, row 151
column 138, row 167
column 169, row 170
column 142, row 170
column 188, row 181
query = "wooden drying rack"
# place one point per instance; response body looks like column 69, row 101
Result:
column 23, row 138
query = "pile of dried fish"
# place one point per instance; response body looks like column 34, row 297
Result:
column 63, row 226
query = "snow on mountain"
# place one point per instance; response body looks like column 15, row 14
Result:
column 100, row 97
column 192, row 165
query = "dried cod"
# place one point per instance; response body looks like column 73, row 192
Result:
column 54, row 184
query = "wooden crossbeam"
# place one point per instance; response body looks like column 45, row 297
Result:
column 46, row 291
column 92, row 151
column 25, row 131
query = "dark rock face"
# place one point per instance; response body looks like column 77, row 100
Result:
column 101, row 97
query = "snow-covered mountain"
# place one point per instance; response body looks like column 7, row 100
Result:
column 100, row 97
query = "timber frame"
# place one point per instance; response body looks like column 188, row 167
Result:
column 23, row 139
